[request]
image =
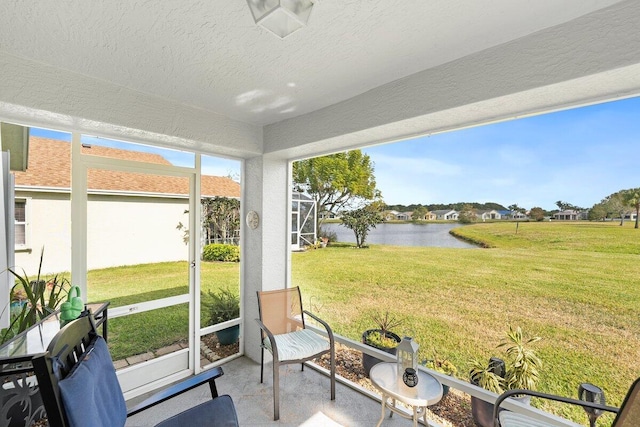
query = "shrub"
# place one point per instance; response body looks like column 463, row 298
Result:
column 221, row 252
column 223, row 305
column 331, row 235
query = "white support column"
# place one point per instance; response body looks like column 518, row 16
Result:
column 265, row 250
column 78, row 217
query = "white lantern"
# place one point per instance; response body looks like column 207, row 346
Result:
column 407, row 355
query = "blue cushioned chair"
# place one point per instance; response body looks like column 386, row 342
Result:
column 79, row 386
column 283, row 334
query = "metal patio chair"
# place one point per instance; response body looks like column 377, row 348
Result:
column 79, row 385
column 283, row 333
column 628, row 415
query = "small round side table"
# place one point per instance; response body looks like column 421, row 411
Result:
column 428, row 391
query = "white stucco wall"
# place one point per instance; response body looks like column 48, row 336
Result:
column 134, row 230
column 120, row 231
column 48, row 227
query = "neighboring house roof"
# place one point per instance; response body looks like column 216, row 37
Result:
column 443, row 211
column 50, row 167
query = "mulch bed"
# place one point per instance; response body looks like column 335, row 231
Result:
column 454, row 410
column 221, row 351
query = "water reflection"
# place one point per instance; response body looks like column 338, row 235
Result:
column 436, row 235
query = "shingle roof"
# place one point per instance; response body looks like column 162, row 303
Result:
column 50, row 166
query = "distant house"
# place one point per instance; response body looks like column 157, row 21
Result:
column 118, row 202
column 390, row 215
column 518, row 215
column 393, row 215
column 446, row 214
column 404, row 216
column 429, row 216
column 567, row 215
column 507, row 214
column 488, row 215
column 329, row 215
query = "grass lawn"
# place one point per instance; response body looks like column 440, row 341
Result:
column 573, row 284
column 154, row 329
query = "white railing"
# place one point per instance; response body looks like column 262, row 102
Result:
column 452, row 382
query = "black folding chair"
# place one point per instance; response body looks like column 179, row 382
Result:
column 628, row 415
column 79, row 386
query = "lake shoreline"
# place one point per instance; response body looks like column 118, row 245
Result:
column 406, row 234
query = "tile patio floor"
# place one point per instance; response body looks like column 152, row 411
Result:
column 304, row 400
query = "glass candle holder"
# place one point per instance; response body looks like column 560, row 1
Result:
column 410, row 377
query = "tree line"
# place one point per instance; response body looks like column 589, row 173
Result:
column 617, row 205
column 455, row 206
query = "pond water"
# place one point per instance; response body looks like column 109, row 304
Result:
column 436, row 235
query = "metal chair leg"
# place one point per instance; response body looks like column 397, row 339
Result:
column 276, row 391
column 333, row 373
column 262, row 365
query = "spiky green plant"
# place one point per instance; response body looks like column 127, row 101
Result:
column 524, row 364
column 42, row 298
column 386, row 321
column 482, row 375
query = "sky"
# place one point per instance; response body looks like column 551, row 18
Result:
column 579, row 156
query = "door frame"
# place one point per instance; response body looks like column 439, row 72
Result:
column 146, row 376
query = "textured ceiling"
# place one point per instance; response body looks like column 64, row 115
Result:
column 210, row 55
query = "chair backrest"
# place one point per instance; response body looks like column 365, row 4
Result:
column 629, row 415
column 281, row 310
column 65, row 350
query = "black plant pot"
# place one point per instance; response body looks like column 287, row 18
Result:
column 482, row 412
column 369, row 361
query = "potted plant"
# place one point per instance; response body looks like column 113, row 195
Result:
column 442, row 365
column 518, row 370
column 381, row 338
column 33, row 300
column 224, row 305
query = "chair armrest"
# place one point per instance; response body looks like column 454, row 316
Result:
column 272, row 340
column 208, row 376
column 568, row 400
column 322, row 322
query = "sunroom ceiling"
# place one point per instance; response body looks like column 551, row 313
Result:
column 210, row 55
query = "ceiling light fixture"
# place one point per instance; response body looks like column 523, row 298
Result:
column 281, row 17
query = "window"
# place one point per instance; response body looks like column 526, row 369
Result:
column 20, row 223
